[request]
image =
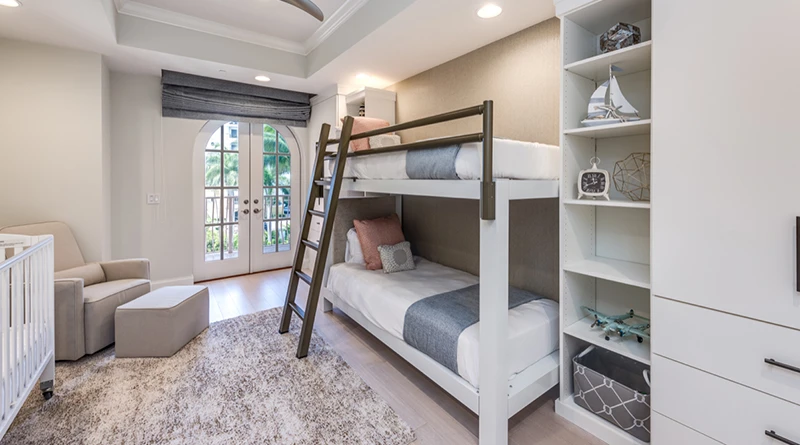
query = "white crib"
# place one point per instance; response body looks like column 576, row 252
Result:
column 27, row 331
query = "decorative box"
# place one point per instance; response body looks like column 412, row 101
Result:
column 621, row 35
column 614, row 388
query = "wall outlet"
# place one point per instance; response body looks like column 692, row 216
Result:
column 153, row 199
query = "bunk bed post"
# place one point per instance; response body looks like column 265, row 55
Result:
column 493, row 364
column 487, row 177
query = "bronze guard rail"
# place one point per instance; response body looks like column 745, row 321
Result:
column 487, row 186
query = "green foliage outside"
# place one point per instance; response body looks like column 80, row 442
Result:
column 277, row 173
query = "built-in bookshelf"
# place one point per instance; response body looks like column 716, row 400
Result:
column 605, row 244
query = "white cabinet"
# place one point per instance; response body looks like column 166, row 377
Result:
column 729, row 346
column 723, row 410
column 671, row 432
column 726, row 155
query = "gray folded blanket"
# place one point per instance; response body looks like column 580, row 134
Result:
column 432, row 325
column 432, row 163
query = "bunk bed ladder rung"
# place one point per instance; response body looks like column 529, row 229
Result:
column 297, row 310
column 311, row 244
column 327, row 190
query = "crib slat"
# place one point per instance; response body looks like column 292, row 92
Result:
column 5, row 323
column 26, row 320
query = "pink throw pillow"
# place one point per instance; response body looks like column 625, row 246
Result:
column 362, row 124
column 372, row 233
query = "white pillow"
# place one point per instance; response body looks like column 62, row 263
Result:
column 353, row 253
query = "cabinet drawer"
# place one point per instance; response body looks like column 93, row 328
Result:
column 670, row 432
column 725, row 411
column 729, row 346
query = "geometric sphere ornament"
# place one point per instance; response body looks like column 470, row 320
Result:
column 632, row 176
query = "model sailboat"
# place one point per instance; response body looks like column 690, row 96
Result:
column 608, row 105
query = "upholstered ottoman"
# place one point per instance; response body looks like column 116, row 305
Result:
column 160, row 323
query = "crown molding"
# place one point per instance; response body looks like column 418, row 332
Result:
column 334, row 22
column 328, row 27
column 147, row 12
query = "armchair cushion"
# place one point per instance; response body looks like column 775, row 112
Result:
column 67, row 252
column 69, row 319
column 126, row 269
column 91, row 274
column 99, row 304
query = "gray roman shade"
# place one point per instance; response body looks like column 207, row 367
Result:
column 197, row 97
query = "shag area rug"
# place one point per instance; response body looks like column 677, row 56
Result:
column 237, row 383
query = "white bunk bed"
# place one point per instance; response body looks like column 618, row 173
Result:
column 499, row 397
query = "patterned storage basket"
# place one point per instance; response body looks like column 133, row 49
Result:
column 614, row 388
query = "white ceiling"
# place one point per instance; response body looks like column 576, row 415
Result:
column 389, row 39
column 270, row 17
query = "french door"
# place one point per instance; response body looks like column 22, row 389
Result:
column 248, row 179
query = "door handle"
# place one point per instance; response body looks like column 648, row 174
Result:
column 246, row 211
column 255, row 201
column 774, row 362
column 246, row 201
column 780, row 438
column 257, row 211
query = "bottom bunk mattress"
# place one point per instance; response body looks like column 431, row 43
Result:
column 512, row 160
column 384, row 300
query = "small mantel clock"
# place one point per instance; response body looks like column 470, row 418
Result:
column 594, row 182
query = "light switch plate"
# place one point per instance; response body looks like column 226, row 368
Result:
column 153, row 199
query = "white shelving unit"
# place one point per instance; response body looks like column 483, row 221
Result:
column 612, row 131
column 631, row 60
column 613, row 203
column 605, row 245
column 618, row 271
column 582, row 329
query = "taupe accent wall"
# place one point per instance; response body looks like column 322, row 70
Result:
column 520, row 73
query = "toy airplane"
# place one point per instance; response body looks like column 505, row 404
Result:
column 601, row 319
column 616, row 324
column 624, row 330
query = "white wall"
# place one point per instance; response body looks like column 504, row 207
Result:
column 51, row 121
column 151, row 154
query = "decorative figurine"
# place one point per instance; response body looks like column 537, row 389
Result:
column 616, row 324
column 621, row 35
column 608, row 105
column 632, row 176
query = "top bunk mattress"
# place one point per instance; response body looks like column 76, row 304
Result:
column 512, row 160
column 384, row 299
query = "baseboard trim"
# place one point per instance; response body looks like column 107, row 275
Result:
column 179, row 281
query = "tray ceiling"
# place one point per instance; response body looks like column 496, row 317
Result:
column 272, row 18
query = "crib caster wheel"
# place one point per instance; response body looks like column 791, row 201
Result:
column 608, row 338
column 47, row 395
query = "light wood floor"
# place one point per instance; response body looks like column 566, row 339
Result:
column 435, row 416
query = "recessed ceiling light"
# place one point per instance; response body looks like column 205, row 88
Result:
column 262, row 78
column 363, row 76
column 489, row 10
column 10, row 3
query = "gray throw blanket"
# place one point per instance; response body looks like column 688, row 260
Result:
column 432, row 163
column 432, row 325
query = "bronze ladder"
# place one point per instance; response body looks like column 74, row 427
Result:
column 331, row 199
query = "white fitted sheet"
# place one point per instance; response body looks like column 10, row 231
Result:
column 512, row 160
column 384, row 299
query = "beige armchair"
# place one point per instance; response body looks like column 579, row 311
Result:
column 87, row 295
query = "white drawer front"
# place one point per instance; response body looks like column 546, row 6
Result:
column 728, row 412
column 729, row 346
column 670, row 432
